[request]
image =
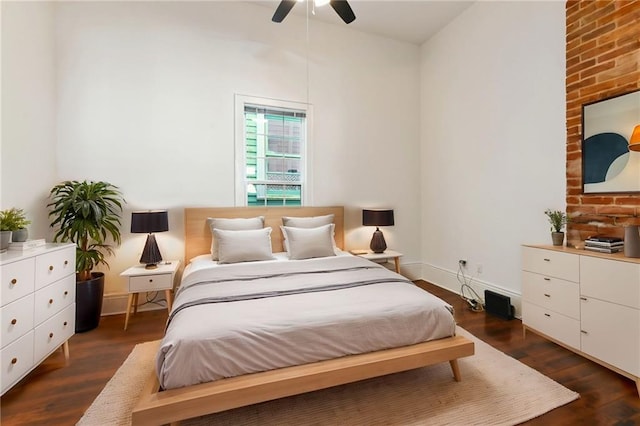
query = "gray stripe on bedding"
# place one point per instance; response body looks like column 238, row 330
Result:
column 266, row 294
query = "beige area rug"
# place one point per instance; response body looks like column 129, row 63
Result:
column 495, row 390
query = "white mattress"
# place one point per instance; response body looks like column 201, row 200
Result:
column 290, row 318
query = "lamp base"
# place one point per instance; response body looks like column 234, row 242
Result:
column 378, row 244
column 151, row 253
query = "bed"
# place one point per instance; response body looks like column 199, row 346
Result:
column 319, row 324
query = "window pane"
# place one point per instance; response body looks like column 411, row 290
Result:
column 274, row 143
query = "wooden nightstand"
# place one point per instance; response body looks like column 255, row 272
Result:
column 384, row 257
column 141, row 280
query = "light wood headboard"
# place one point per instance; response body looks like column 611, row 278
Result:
column 198, row 236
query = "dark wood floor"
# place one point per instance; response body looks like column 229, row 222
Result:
column 57, row 395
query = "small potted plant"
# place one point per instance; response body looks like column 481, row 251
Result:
column 87, row 213
column 557, row 219
column 15, row 220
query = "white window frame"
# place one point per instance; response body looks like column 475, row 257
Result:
column 240, row 149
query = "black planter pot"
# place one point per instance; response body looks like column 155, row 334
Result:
column 89, row 302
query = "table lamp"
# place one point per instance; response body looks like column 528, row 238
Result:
column 378, row 217
column 148, row 222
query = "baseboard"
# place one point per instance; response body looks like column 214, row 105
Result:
column 116, row 303
column 447, row 279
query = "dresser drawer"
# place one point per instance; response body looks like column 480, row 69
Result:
column 54, row 298
column 551, row 263
column 551, row 293
column 17, row 360
column 150, row 283
column 612, row 281
column 54, row 332
column 52, row 266
column 17, row 319
column 18, row 280
column 555, row 325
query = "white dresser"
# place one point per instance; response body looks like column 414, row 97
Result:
column 587, row 302
column 37, row 308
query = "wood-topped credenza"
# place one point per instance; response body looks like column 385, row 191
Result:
column 586, row 301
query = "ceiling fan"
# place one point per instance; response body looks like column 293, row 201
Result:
column 341, row 7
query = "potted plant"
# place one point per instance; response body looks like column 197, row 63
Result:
column 15, row 220
column 557, row 219
column 5, row 232
column 87, row 213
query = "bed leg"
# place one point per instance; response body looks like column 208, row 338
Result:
column 456, row 370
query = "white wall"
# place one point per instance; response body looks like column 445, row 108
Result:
column 492, row 139
column 146, row 93
column 28, row 111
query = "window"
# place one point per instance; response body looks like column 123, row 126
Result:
column 271, row 152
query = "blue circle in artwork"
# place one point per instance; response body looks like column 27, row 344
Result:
column 598, row 152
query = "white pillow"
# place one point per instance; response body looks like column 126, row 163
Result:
column 306, row 243
column 232, row 224
column 243, row 246
column 307, row 222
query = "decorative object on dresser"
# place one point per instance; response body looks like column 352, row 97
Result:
column 604, row 244
column 377, row 217
column 631, row 241
column 140, row 279
column 15, row 220
column 37, row 298
column 586, row 301
column 86, row 213
column 557, row 219
column 148, row 222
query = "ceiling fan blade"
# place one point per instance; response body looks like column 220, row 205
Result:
column 283, row 10
column 343, row 9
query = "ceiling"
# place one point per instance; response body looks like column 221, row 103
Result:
column 411, row 21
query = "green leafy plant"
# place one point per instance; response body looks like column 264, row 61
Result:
column 86, row 213
column 558, row 219
column 13, row 219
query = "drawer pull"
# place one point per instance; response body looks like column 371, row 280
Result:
column 547, row 279
column 50, row 301
column 14, row 360
column 14, row 281
column 66, row 262
column 14, row 321
column 150, row 280
column 546, row 260
column 65, row 324
column 547, row 315
column 547, row 295
column 50, row 335
column 583, row 332
column 51, row 267
column 66, row 292
column 583, row 298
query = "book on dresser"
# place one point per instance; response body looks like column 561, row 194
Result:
column 604, row 244
column 27, row 245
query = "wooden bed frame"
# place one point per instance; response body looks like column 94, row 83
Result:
column 157, row 407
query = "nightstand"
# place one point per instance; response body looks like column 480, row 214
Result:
column 384, row 257
column 140, row 280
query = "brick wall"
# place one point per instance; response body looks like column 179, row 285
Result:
column 603, row 60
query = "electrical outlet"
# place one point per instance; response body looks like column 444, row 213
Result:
column 462, row 262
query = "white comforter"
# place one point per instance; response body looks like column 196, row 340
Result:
column 251, row 317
